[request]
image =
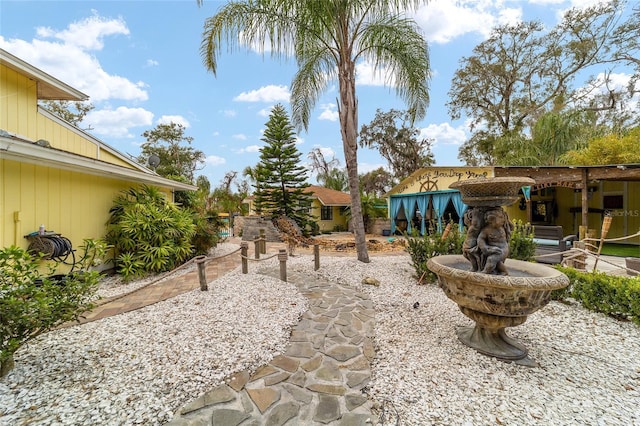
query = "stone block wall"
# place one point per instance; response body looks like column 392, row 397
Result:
column 249, row 227
column 376, row 226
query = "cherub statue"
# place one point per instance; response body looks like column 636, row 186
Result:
column 493, row 241
column 473, row 220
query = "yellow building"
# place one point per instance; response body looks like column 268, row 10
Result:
column 424, row 199
column 557, row 198
column 327, row 207
column 581, row 196
column 51, row 172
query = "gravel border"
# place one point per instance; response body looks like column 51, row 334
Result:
column 140, row 367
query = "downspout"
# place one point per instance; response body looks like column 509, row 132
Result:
column 16, row 227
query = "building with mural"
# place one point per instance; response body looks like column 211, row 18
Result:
column 423, row 200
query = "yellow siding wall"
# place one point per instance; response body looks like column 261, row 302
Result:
column 328, row 225
column 515, row 213
column 626, row 221
column 439, row 178
column 17, row 103
column 110, row 158
column 75, row 205
column 18, row 114
column 63, row 138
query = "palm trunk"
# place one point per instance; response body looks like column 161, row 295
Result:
column 348, row 111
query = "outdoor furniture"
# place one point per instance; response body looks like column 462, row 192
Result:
column 550, row 239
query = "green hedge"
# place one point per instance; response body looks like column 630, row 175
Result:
column 618, row 296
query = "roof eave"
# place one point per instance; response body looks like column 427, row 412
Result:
column 48, row 87
column 16, row 150
column 101, row 146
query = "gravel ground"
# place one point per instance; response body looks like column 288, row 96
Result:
column 139, row 367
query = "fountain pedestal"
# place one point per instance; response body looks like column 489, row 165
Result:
column 489, row 337
column 495, row 292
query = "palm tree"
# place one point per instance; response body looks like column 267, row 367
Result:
column 328, row 38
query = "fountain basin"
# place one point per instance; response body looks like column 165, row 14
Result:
column 495, row 302
column 491, row 192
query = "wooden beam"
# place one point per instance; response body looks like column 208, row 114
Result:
column 555, row 174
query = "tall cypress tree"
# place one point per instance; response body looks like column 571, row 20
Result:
column 280, row 176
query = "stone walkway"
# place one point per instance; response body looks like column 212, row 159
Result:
column 319, row 380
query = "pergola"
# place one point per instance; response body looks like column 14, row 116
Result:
column 576, row 177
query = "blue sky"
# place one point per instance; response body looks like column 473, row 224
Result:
column 139, row 62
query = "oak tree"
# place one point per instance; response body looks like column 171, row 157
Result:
column 392, row 133
column 177, row 157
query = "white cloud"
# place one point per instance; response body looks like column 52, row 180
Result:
column 618, row 82
column 366, row 75
column 329, row 112
column 444, row 134
column 367, row 167
column 74, row 45
column 548, row 2
column 152, row 63
column 88, row 33
column 327, row 152
column 214, row 160
column 270, row 93
column 264, row 112
column 299, row 140
column 583, row 4
column 240, row 136
column 117, row 123
column 250, row 148
column 178, row 119
column 229, row 113
column 445, row 20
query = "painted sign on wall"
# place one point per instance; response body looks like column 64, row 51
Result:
column 431, row 179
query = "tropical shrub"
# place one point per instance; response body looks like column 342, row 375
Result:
column 521, row 245
column 207, row 232
column 618, row 296
column 32, row 303
column 149, row 233
column 422, row 248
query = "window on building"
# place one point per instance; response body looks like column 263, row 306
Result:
column 611, row 202
column 326, row 213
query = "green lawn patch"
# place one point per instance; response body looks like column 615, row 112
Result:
column 622, row 250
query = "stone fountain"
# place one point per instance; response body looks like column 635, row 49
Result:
column 492, row 290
